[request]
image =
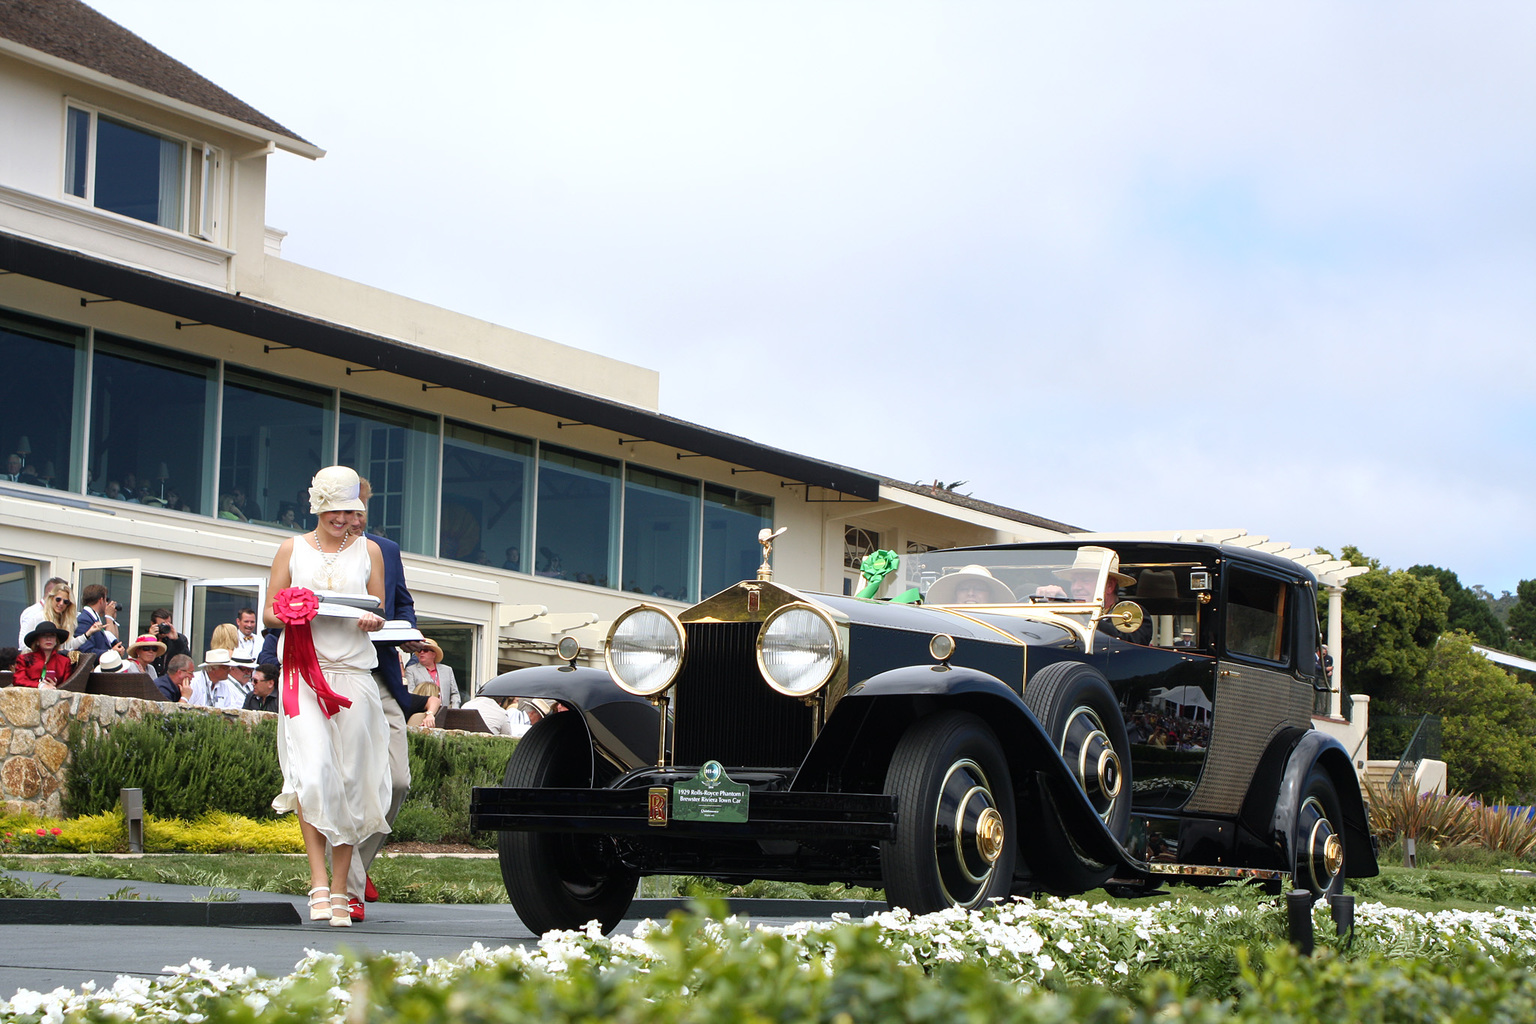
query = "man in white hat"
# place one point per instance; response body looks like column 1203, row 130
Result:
column 1082, row 580
column 212, row 686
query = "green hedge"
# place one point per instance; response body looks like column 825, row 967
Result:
column 188, row 765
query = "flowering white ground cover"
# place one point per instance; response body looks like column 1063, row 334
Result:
column 1025, row 940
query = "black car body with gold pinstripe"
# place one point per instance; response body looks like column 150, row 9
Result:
column 1036, row 717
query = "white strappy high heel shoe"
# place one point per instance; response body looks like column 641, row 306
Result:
column 320, row 903
column 341, row 910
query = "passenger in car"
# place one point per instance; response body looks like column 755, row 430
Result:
column 971, row 585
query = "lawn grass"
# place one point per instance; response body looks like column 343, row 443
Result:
column 1460, row 880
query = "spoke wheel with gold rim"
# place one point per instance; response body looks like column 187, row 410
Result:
column 956, row 829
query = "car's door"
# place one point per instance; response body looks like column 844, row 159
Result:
column 1261, row 689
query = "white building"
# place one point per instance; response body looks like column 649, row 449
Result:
column 156, row 341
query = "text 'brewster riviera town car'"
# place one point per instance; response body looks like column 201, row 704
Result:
column 1048, row 717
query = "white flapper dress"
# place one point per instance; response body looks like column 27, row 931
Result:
column 337, row 768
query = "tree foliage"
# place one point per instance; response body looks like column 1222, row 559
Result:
column 1488, row 720
column 1522, row 620
column 1391, row 621
column 1467, row 610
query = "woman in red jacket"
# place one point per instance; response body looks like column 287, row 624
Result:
column 44, row 666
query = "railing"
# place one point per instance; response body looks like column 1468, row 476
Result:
column 1425, row 742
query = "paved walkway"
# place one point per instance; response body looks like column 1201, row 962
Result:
column 45, row 956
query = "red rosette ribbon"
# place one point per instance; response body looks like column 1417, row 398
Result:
column 295, row 608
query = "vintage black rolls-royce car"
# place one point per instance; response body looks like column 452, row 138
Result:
column 1050, row 717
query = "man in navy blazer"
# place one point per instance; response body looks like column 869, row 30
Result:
column 95, row 622
column 399, row 704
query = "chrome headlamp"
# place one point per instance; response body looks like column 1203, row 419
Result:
column 644, row 651
column 798, row 649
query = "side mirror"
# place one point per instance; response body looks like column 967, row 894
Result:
column 1127, row 616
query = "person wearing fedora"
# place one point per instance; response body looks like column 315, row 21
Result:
column 142, row 654
column 334, row 756
column 44, row 665
column 1082, row 578
column 110, row 662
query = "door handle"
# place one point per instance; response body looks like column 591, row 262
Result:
column 1230, row 673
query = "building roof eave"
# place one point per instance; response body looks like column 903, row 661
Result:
column 251, row 318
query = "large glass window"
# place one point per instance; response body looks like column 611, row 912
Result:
column 397, row 451
column 151, row 413
column 275, row 437
column 487, row 497
column 125, row 169
column 1256, row 616
column 732, row 520
column 17, row 590
column 39, row 425
column 578, row 517
column 661, row 534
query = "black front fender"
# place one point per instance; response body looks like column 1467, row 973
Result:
column 854, row 750
column 623, row 726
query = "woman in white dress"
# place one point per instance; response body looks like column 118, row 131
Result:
column 335, row 769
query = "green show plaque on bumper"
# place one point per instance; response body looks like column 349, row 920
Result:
column 710, row 796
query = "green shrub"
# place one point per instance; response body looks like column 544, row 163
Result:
column 190, row 765
column 186, row 765
column 444, row 768
column 419, row 822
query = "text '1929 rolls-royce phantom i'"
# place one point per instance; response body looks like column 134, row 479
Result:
column 1044, row 717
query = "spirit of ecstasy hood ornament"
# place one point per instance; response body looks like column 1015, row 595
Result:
column 765, row 537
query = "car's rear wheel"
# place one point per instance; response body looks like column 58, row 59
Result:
column 956, row 836
column 1079, row 712
column 561, row 880
column 1317, row 841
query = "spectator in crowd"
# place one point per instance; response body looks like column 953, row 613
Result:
column 176, row 684
column 164, row 629
column 229, row 510
column 501, row 715
column 429, row 669
column 268, row 654
column 114, row 491
column 142, row 654
column 8, row 656
column 61, row 612
column 249, row 642
column 173, row 500
column 97, row 621
column 287, row 517
column 212, row 687
column 248, row 507
column 263, row 695
column 12, row 467
column 110, row 662
column 513, row 559
column 226, row 636
column 44, row 665
column 33, row 614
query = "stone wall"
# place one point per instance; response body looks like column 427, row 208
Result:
column 34, row 738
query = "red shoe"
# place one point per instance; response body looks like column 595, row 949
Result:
column 355, row 905
column 369, row 892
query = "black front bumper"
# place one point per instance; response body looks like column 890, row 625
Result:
column 805, row 817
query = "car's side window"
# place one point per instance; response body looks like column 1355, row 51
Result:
column 1257, row 617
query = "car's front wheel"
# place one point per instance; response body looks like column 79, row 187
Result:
column 561, row 880
column 956, row 838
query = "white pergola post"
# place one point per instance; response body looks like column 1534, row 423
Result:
column 1336, row 649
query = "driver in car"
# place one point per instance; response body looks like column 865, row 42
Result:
column 1081, row 577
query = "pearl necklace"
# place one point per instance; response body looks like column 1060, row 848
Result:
column 327, row 575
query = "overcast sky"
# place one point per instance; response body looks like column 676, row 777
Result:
column 1128, row 266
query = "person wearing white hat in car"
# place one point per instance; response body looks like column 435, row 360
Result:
column 972, row 584
column 1082, row 578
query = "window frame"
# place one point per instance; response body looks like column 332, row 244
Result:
column 201, row 214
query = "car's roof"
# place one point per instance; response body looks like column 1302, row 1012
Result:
column 1130, row 548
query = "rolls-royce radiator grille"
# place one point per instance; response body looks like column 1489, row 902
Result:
column 724, row 710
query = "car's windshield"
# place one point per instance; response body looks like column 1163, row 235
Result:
column 1035, row 575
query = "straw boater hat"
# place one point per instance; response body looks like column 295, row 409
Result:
column 943, row 591
column 147, row 640
column 336, row 489
column 43, row 629
column 109, row 662
column 1088, row 561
